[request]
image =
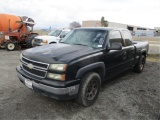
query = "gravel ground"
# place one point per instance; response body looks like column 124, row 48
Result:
column 129, row 96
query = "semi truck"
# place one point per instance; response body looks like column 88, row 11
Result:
column 16, row 31
column 76, row 67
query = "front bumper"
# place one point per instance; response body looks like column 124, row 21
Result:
column 61, row 93
column 39, row 44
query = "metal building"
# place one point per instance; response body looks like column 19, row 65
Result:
column 97, row 23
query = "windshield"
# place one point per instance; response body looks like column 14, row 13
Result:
column 55, row 33
column 86, row 37
column 64, row 32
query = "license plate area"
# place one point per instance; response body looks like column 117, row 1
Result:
column 28, row 83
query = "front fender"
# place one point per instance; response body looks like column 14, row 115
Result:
column 90, row 67
column 144, row 52
column 52, row 41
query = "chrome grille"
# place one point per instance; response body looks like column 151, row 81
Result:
column 35, row 63
column 38, row 40
column 39, row 69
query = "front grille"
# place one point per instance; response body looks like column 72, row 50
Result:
column 38, row 40
column 38, row 69
column 38, row 64
column 34, row 71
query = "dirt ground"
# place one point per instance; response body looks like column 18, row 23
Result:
column 129, row 96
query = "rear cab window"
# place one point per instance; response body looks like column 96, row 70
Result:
column 127, row 37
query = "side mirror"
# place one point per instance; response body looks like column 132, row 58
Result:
column 115, row 46
column 62, row 36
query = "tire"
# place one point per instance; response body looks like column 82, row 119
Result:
column 30, row 40
column 140, row 65
column 10, row 46
column 89, row 89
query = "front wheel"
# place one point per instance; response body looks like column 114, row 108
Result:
column 89, row 89
column 140, row 65
column 10, row 45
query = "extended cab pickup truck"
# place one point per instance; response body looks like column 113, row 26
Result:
column 79, row 63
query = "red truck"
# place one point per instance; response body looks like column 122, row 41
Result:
column 16, row 31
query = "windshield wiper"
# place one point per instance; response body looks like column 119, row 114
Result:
column 64, row 42
column 79, row 44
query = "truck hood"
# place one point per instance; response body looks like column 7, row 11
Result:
column 58, row 53
column 46, row 37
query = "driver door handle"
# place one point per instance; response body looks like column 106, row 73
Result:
column 124, row 54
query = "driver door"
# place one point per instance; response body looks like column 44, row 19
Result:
column 114, row 58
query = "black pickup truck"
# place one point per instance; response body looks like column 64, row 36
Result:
column 75, row 67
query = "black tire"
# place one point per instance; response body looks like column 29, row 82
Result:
column 140, row 65
column 10, row 46
column 89, row 89
column 30, row 40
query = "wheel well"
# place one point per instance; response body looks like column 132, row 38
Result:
column 98, row 70
column 97, row 67
column 52, row 42
column 144, row 53
column 12, row 40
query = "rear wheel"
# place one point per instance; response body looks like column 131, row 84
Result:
column 89, row 89
column 140, row 65
column 30, row 40
column 10, row 45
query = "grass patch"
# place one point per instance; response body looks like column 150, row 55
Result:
column 153, row 57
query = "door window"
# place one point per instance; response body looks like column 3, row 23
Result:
column 115, row 36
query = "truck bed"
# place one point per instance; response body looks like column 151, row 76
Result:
column 141, row 45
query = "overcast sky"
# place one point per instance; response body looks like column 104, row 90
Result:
column 59, row 13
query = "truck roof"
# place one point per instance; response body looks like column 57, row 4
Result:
column 103, row 28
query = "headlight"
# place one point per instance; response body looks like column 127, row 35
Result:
column 56, row 76
column 45, row 41
column 21, row 57
column 58, row 67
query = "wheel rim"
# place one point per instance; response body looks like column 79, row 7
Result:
column 32, row 42
column 11, row 46
column 142, row 64
column 92, row 89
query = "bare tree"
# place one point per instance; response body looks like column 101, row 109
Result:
column 74, row 24
column 104, row 23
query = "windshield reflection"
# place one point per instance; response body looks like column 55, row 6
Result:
column 86, row 37
column 55, row 33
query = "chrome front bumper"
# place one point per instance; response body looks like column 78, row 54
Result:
column 57, row 93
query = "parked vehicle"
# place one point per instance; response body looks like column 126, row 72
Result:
column 52, row 37
column 16, row 31
column 79, row 63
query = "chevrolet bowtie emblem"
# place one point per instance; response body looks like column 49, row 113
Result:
column 30, row 66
